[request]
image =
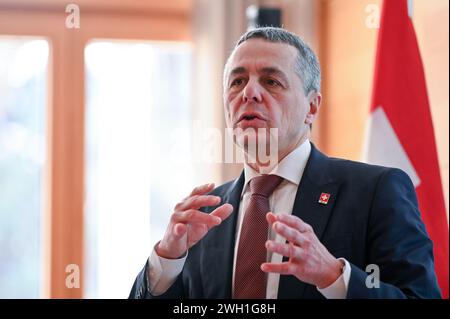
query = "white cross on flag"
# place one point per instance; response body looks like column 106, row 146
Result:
column 401, row 129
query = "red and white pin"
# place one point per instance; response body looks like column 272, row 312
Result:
column 324, row 198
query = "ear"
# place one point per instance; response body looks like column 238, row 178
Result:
column 314, row 99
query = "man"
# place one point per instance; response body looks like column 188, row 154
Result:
column 306, row 227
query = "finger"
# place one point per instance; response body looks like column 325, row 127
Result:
column 202, row 189
column 179, row 230
column 198, row 201
column 291, row 234
column 223, row 211
column 285, row 268
column 284, row 249
column 193, row 216
column 294, row 221
column 271, row 218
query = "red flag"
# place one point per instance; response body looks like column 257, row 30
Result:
column 401, row 130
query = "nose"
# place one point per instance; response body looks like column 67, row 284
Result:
column 252, row 92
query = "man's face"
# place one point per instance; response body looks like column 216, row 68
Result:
column 262, row 90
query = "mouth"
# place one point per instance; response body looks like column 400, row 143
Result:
column 250, row 116
column 251, row 120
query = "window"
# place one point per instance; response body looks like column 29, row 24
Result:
column 46, row 130
column 138, row 104
column 23, row 98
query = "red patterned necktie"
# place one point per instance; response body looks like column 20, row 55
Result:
column 249, row 280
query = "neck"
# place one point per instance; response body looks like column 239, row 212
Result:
column 268, row 166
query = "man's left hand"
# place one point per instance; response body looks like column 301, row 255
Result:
column 309, row 260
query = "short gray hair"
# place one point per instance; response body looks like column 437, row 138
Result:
column 306, row 66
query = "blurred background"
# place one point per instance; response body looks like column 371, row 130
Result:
column 103, row 104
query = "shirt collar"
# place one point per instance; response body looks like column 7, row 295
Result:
column 290, row 168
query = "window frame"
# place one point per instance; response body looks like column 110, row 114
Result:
column 64, row 188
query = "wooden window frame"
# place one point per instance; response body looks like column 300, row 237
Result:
column 64, row 171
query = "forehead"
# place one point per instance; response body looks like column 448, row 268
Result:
column 260, row 53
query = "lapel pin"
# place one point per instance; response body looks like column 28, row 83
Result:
column 324, row 198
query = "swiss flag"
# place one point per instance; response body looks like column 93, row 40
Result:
column 401, row 130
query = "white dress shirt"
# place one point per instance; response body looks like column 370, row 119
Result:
column 163, row 272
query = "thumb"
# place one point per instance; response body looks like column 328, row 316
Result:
column 179, row 230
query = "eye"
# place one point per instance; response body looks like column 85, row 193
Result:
column 272, row 83
column 237, row 82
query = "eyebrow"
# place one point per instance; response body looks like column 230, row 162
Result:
column 238, row 70
column 275, row 71
column 266, row 70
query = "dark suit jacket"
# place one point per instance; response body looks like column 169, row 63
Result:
column 371, row 218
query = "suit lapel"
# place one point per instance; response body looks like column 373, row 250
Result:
column 217, row 259
column 316, row 180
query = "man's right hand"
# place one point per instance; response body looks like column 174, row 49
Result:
column 188, row 224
